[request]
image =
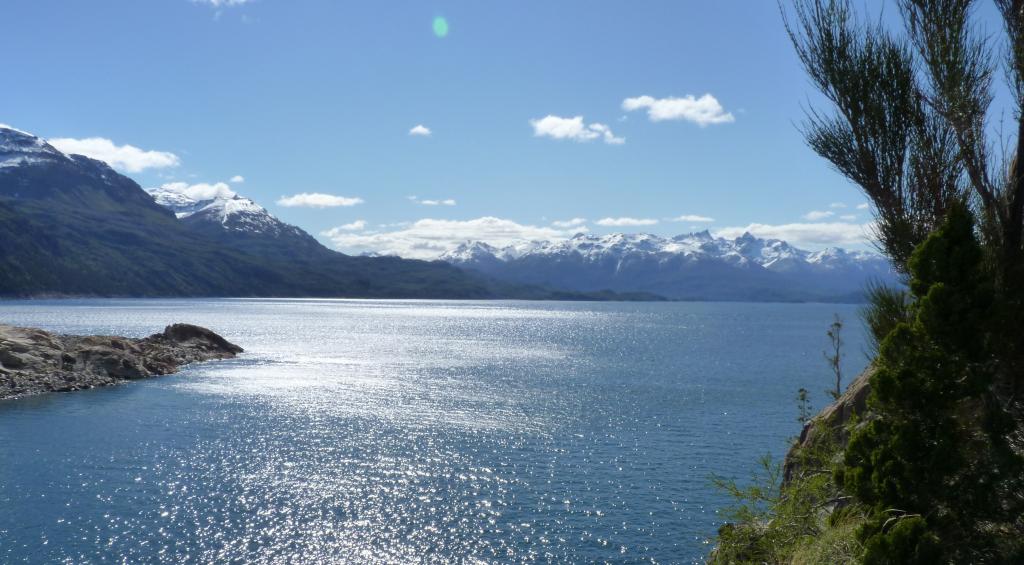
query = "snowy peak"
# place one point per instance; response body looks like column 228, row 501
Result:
column 22, row 148
column 472, row 251
column 695, row 266
column 746, row 250
column 231, row 212
column 241, row 214
column 182, row 205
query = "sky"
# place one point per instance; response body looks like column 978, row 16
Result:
column 408, row 126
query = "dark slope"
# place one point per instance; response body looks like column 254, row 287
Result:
column 75, row 226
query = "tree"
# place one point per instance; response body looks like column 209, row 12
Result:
column 937, row 465
column 834, row 355
column 910, row 128
column 804, row 409
column 938, row 461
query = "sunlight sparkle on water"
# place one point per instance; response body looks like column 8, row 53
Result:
column 405, row 431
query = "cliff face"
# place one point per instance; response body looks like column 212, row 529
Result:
column 831, row 423
column 34, row 361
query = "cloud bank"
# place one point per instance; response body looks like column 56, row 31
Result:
column 317, row 200
column 354, row 226
column 429, row 238
column 692, row 218
column 127, row 158
column 201, row 190
column 626, row 222
column 815, row 215
column 809, row 234
column 703, row 111
column 573, row 223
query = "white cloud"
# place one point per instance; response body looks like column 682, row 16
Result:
column 626, row 222
column 810, row 234
column 420, row 130
column 815, row 215
column 848, row 217
column 201, row 190
column 428, row 238
column 692, row 218
column 573, row 223
column 703, row 111
column 837, row 205
column 863, row 206
column 606, row 134
column 573, row 128
column 317, row 200
column 357, row 225
column 127, row 158
column 238, row 179
column 445, row 202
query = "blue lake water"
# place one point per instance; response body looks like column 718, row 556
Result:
column 410, row 431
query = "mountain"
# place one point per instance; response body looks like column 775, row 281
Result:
column 695, row 266
column 71, row 225
column 237, row 222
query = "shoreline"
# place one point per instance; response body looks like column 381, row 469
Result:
column 35, row 361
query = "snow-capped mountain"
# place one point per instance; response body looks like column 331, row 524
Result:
column 22, row 148
column 33, row 170
column 229, row 212
column 72, row 225
column 691, row 266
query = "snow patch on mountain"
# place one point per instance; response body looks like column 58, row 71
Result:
column 695, row 266
column 233, row 213
column 743, row 251
column 18, row 148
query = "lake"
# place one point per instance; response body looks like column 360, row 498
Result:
column 410, row 431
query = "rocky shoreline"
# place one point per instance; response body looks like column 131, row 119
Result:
column 34, row 361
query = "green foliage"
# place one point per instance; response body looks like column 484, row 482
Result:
column 805, row 410
column 932, row 462
column 838, row 544
column 887, row 307
column 937, row 463
column 771, row 521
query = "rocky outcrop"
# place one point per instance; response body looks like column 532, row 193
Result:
column 34, row 361
column 831, row 423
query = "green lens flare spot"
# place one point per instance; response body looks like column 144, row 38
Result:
column 440, row 26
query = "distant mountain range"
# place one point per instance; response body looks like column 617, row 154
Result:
column 71, row 225
column 695, row 266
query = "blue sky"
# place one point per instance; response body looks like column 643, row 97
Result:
column 319, row 97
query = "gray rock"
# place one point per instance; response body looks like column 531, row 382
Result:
column 33, row 361
column 832, row 423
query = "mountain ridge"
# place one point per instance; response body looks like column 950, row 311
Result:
column 695, row 266
column 72, row 226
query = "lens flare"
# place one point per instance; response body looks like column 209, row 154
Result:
column 440, row 26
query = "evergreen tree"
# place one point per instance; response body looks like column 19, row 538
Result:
column 938, row 458
column 934, row 464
